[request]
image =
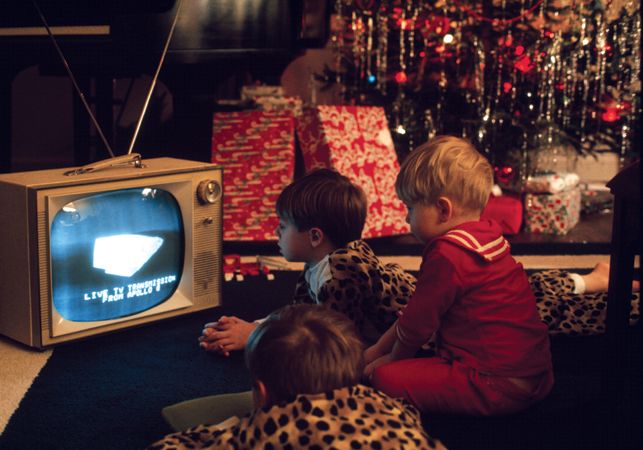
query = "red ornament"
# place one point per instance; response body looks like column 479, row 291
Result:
column 610, row 115
column 506, row 86
column 614, row 109
column 519, row 50
column 504, row 174
column 400, row 77
column 524, row 64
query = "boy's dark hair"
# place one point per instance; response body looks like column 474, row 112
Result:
column 328, row 200
column 304, row 349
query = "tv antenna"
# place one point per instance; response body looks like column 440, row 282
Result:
column 122, row 159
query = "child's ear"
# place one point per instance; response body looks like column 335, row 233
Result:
column 259, row 394
column 445, row 209
column 315, row 236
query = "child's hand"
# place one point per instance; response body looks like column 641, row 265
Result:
column 372, row 353
column 368, row 370
column 226, row 334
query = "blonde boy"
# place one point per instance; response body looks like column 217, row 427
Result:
column 493, row 350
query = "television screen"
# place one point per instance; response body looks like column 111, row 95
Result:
column 116, row 253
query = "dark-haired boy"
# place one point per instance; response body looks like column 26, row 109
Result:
column 322, row 216
column 305, row 363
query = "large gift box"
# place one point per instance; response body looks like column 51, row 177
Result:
column 552, row 213
column 356, row 141
column 256, row 150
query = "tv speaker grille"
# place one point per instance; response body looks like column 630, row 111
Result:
column 208, row 248
column 43, row 271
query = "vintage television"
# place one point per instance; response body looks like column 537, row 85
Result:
column 108, row 247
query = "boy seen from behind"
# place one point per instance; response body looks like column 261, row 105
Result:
column 305, row 363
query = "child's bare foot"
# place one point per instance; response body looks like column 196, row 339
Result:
column 598, row 279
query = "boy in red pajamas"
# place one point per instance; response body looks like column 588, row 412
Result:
column 493, row 350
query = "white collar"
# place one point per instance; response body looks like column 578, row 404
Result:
column 316, row 276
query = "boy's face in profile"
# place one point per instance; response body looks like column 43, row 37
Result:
column 424, row 221
column 294, row 245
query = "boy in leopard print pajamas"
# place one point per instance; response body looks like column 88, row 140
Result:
column 322, row 216
column 306, row 362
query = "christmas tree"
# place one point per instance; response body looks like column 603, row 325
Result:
column 524, row 80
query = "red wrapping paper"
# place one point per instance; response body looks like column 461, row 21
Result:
column 257, row 151
column 356, row 141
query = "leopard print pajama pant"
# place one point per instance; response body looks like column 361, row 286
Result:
column 567, row 313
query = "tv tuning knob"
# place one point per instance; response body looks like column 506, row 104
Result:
column 208, row 191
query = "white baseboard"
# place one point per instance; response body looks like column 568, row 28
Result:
column 413, row 262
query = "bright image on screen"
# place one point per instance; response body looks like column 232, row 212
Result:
column 115, row 254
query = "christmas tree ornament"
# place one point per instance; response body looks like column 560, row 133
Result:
column 504, row 174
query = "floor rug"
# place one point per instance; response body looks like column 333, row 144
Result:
column 107, row 392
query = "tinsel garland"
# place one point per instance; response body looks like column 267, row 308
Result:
column 511, row 75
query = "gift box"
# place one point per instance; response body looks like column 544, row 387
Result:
column 595, row 199
column 507, row 211
column 551, row 183
column 250, row 92
column 552, row 213
column 274, row 104
column 356, row 141
column 257, row 151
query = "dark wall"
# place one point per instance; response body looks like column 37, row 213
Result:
column 217, row 47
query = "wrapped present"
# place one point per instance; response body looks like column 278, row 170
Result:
column 257, row 151
column 273, row 104
column 551, row 183
column 252, row 91
column 595, row 199
column 356, row 141
column 552, row 213
column 506, row 210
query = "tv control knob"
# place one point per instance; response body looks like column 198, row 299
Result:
column 209, row 191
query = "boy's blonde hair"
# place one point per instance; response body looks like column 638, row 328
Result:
column 445, row 166
column 328, row 200
column 304, row 349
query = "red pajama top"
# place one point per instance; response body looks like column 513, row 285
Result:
column 477, row 300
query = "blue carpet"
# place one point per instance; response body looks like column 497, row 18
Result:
column 107, row 392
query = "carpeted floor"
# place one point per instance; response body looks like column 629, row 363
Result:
column 107, row 392
column 18, row 368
